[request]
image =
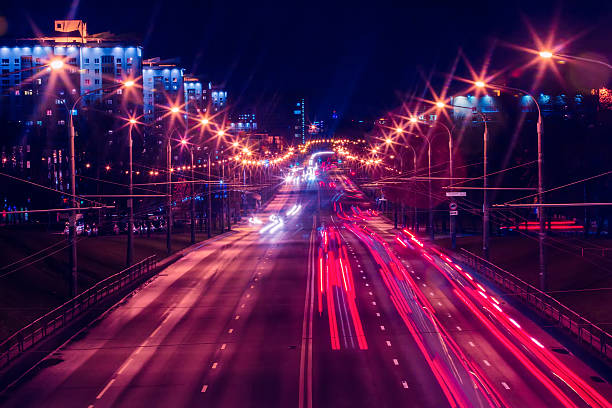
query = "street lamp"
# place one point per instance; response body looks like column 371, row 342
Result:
column 545, row 54
column 72, row 223
column 540, row 195
column 130, row 202
column 56, row 64
column 185, row 144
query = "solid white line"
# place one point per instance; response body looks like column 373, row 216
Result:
column 105, row 388
column 204, row 388
column 505, row 385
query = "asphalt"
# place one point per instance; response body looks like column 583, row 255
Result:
column 237, row 322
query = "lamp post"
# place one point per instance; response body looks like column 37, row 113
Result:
column 209, row 212
column 485, row 204
column 185, row 144
column 540, row 195
column 72, row 222
column 130, row 202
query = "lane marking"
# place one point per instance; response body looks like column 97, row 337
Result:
column 471, row 344
column 223, row 346
column 505, row 385
column 214, row 366
column 388, row 343
column 439, row 304
column 382, row 328
column 404, row 384
column 377, row 314
column 458, row 328
column 123, row 367
column 204, row 388
column 374, row 303
column 237, row 317
column 487, row 363
column 431, row 293
column 395, row 361
column 105, row 388
column 248, row 295
column 230, row 331
column 371, row 294
column 367, row 284
column 242, row 306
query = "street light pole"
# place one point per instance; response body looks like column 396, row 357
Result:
column 130, row 204
column 192, row 212
column 209, row 215
column 72, row 224
column 485, row 193
column 168, row 196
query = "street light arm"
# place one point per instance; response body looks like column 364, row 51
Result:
column 585, row 59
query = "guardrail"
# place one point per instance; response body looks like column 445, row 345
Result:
column 61, row 316
column 586, row 332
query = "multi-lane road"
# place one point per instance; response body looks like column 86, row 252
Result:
column 321, row 305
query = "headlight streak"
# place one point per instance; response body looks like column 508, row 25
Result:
column 336, row 285
column 576, row 384
column 402, row 287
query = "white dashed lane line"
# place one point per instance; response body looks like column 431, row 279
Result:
column 204, row 388
column 505, row 385
column 395, row 362
column 388, row 343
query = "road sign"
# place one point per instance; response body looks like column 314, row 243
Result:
column 454, row 213
column 456, row 194
column 452, row 206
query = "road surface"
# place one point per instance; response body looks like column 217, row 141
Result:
column 310, row 309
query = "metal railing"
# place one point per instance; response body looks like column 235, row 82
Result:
column 60, row 317
column 583, row 330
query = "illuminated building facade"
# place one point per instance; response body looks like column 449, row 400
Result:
column 299, row 121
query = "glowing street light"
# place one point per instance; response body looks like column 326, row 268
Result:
column 480, row 84
column 413, row 119
column 221, row 132
column 440, row 104
column 399, row 130
column 388, row 140
column 204, row 121
column 174, row 109
column 235, row 144
column 184, row 142
column 133, row 121
column 56, row 64
column 546, row 54
column 129, row 83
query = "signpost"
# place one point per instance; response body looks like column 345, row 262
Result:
column 456, row 193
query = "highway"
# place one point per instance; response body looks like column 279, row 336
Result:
column 323, row 304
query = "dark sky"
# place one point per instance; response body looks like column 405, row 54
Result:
column 356, row 57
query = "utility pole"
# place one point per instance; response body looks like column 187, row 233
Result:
column 73, row 214
column 192, row 203
column 485, row 194
column 169, row 196
column 130, row 204
column 209, row 215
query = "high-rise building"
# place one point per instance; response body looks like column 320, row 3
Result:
column 162, row 86
column 36, row 101
column 299, row 121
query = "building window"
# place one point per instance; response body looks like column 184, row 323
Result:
column 87, row 60
column 108, row 70
column 87, row 82
column 109, row 101
column 49, row 112
column 27, row 92
column 97, row 81
column 118, row 71
column 61, row 122
column 96, row 60
column 39, row 122
column 72, row 61
column 118, row 60
column 5, row 61
column 96, row 71
column 108, row 59
column 37, row 60
column 87, row 71
column 16, row 60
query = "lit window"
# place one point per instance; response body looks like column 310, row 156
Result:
column 49, row 112
column 87, row 82
column 61, row 122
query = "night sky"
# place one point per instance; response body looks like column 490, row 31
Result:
column 359, row 58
